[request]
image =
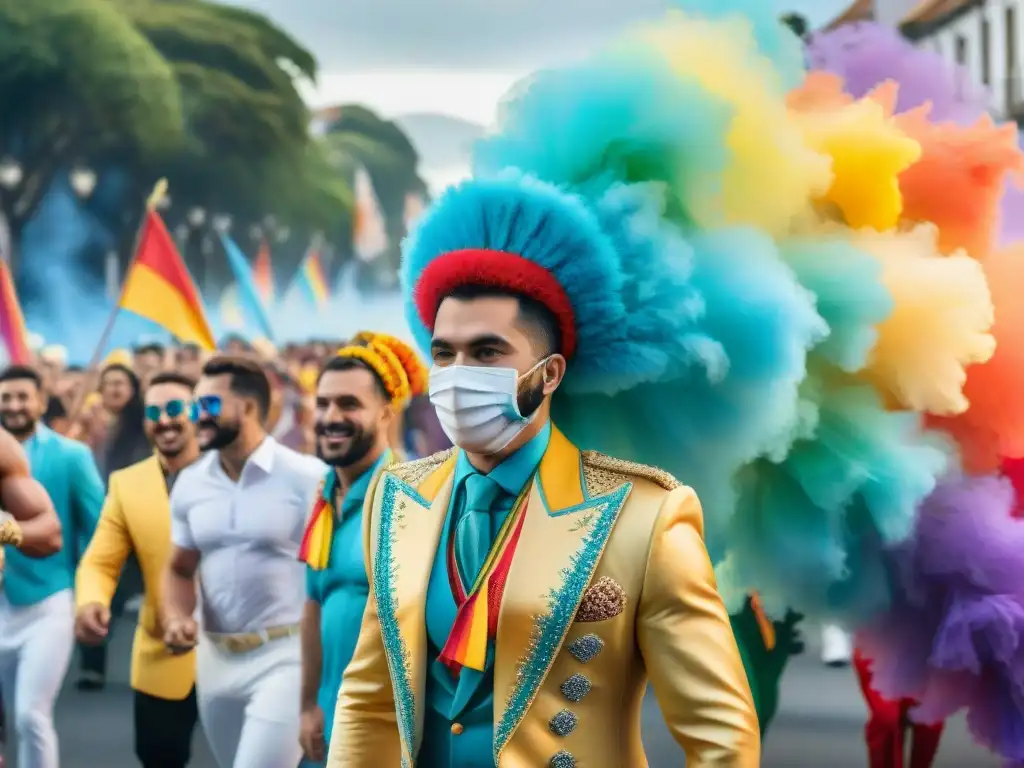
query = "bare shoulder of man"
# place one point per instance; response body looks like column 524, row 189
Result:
column 20, row 494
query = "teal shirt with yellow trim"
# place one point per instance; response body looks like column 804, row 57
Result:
column 459, row 727
column 342, row 590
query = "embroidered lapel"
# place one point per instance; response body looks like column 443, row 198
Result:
column 563, row 537
column 413, row 502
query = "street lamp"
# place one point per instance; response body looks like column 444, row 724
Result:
column 83, row 181
column 10, row 173
column 196, row 217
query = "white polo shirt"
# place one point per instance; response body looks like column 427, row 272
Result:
column 248, row 535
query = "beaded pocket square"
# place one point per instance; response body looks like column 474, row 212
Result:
column 605, row 599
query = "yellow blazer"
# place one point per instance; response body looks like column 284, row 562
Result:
column 611, row 587
column 137, row 516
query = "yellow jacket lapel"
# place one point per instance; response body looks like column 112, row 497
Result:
column 413, row 502
column 563, row 536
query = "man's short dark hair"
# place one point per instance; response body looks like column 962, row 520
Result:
column 150, row 348
column 247, row 379
column 173, row 377
column 539, row 322
column 351, row 364
column 21, row 373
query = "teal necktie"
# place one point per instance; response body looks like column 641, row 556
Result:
column 475, row 527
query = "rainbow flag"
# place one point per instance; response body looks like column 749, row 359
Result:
column 311, row 279
column 12, row 321
column 263, row 274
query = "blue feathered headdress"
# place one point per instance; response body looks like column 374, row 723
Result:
column 685, row 348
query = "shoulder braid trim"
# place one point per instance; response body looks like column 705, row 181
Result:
column 418, row 469
column 631, row 469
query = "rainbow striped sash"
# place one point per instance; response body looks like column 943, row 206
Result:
column 315, row 550
column 476, row 621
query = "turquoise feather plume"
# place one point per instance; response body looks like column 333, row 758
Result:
column 613, row 119
column 807, row 530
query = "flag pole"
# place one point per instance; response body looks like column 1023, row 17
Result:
column 92, row 375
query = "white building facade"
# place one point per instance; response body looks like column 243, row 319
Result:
column 986, row 37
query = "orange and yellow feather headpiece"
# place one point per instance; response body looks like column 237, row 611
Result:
column 396, row 364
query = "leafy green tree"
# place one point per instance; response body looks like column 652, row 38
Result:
column 77, row 79
column 247, row 151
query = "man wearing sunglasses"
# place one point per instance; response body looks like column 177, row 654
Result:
column 136, row 519
column 237, row 519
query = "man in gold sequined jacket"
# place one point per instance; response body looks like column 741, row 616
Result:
column 524, row 592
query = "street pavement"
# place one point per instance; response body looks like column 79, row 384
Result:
column 819, row 724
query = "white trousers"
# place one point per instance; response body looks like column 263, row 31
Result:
column 249, row 704
column 36, row 644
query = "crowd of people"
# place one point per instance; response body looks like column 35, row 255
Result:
column 715, row 356
column 106, row 447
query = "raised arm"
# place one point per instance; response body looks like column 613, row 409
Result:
column 688, row 646
column 35, row 528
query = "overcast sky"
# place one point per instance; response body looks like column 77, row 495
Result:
column 455, row 56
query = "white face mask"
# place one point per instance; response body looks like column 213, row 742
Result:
column 478, row 406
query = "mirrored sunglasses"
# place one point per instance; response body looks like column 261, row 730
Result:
column 173, row 408
column 211, row 405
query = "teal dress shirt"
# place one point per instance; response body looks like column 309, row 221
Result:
column 341, row 589
column 469, row 699
column 67, row 470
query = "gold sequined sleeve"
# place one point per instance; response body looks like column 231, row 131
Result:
column 688, row 646
column 365, row 733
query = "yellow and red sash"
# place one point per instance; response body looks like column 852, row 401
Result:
column 476, row 621
column 315, row 549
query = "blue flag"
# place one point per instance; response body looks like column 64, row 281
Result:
column 248, row 294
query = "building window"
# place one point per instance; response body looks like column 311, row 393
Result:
column 986, row 64
column 961, row 50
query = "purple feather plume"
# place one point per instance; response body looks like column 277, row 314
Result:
column 867, row 54
column 953, row 637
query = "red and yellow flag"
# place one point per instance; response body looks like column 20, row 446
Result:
column 12, row 321
column 158, row 287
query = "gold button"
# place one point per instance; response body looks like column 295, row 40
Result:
column 457, row 729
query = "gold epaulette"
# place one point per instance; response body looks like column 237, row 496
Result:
column 415, row 472
column 598, row 463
